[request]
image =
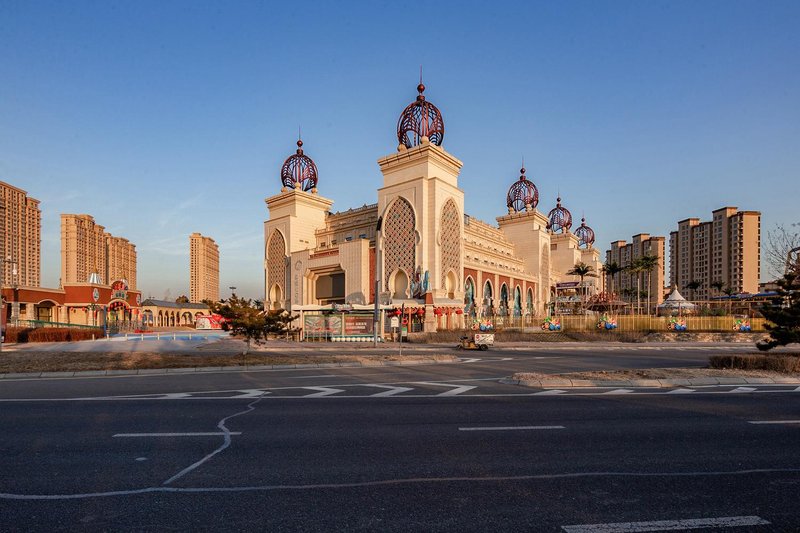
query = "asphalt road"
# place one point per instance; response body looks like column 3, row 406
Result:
column 431, row 448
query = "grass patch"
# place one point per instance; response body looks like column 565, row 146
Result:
column 29, row 361
column 785, row 364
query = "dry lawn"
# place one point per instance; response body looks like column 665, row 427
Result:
column 30, row 361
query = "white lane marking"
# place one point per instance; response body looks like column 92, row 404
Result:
column 742, row 389
column 391, row 392
column 323, row 391
column 774, row 421
column 223, row 446
column 471, row 360
column 457, row 390
column 667, row 525
column 681, row 391
column 176, row 395
column 510, row 428
column 619, row 391
column 550, row 392
column 197, row 434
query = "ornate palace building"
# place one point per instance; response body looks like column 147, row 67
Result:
column 441, row 266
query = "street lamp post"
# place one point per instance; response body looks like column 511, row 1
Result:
column 2, row 300
column 376, row 319
column 232, row 288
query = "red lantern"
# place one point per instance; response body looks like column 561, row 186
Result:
column 459, row 311
column 437, row 311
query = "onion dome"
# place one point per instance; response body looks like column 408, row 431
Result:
column 522, row 195
column 421, row 119
column 299, row 171
column 585, row 234
column 560, row 218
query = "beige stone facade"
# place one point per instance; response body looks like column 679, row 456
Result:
column 428, row 254
column 22, row 236
column 626, row 283
column 727, row 248
column 203, row 269
column 86, row 249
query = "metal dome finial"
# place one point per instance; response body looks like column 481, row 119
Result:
column 420, row 119
column 560, row 218
column 299, row 170
column 585, row 234
column 522, row 195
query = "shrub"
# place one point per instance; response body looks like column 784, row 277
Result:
column 21, row 335
column 785, row 364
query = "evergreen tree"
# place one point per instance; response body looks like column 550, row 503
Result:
column 245, row 319
column 783, row 314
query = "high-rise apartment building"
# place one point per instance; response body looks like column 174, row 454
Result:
column 86, row 249
column 725, row 249
column 203, row 268
column 626, row 282
column 22, row 237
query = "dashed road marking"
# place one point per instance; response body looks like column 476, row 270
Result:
column 774, row 421
column 619, row 391
column 550, row 392
column 681, row 391
column 509, row 428
column 743, row 389
column 196, row 434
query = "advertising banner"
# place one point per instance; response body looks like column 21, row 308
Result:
column 358, row 325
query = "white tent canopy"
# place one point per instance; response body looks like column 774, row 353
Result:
column 676, row 301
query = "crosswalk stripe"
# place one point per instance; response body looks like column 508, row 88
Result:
column 391, row 392
column 457, row 390
column 323, row 391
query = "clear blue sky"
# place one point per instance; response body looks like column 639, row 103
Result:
column 165, row 118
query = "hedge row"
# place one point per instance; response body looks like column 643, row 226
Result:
column 786, row 364
column 14, row 334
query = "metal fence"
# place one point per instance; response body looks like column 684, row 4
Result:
column 48, row 324
column 637, row 323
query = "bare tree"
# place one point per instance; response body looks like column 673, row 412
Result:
column 780, row 241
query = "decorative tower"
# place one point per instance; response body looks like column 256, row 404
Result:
column 526, row 227
column 294, row 215
column 589, row 255
column 422, row 210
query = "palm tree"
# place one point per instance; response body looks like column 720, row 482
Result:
column 582, row 270
column 717, row 284
column 612, row 269
column 636, row 269
column 693, row 286
column 648, row 263
column 728, row 291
